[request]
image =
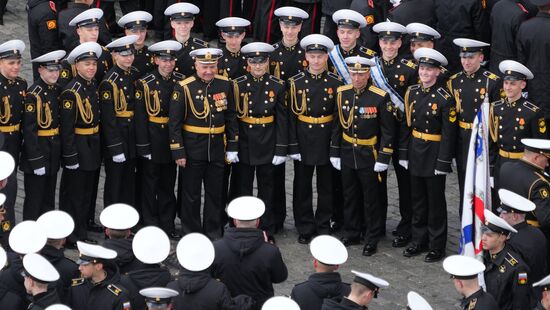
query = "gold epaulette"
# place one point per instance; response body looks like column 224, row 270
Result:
column 491, row 75
column 77, row 281
column 377, row 91
column 178, row 75
column 409, row 63
column 221, row 77
column 367, row 51
column 187, row 81
column 344, row 87
column 114, row 289
column 454, row 76
column 472, row 304
column 510, row 259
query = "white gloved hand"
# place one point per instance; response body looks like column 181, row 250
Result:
column 277, row 160
column 232, row 157
column 492, row 182
column 454, row 162
column 72, row 167
column 147, row 156
column 404, row 163
column 336, row 163
column 40, row 171
column 437, row 172
column 297, row 157
column 119, row 158
column 379, row 167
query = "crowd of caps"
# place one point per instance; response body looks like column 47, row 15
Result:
column 212, row 119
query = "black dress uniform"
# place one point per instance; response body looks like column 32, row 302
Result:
column 232, row 65
column 357, row 50
column 479, row 300
column 263, row 134
column 202, row 128
column 247, row 264
column 13, row 294
column 116, row 96
column 68, row 35
column 107, row 294
column 42, row 28
column 12, row 95
column 67, row 268
column 507, row 279
column 143, row 60
column 363, row 136
column 531, row 41
column 287, row 61
column 427, row 142
column 80, row 142
column 153, row 94
column 41, row 148
column 507, row 16
column 312, row 100
column 530, row 243
column 185, row 63
column 44, row 300
column 310, row 294
column 104, row 64
column 460, row 19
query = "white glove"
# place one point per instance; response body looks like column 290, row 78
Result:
column 492, row 182
column 277, row 160
column 336, row 163
column 297, row 157
column 454, row 162
column 379, row 167
column 404, row 163
column 232, row 157
column 437, row 172
column 148, row 156
column 73, row 167
column 40, row 171
column 120, row 158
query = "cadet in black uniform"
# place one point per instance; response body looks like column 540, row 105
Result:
column 98, row 287
column 58, row 225
column 531, row 42
column 135, row 23
column 426, row 148
column 116, row 95
column 182, row 18
column 364, row 288
column 151, row 246
column 245, row 262
column 41, row 146
column 195, row 285
column 529, row 241
column 203, row 133
column 39, row 273
column 328, row 254
column 513, row 118
column 363, row 138
column 464, row 271
column 158, row 297
column 544, row 302
column 533, row 183
column 393, row 74
column 506, row 275
column 312, row 101
column 12, row 94
column 263, row 128
column 287, row 60
column 80, row 142
column 460, row 19
column 68, row 33
column 507, row 16
column 233, row 63
column 470, row 88
column 153, row 94
column 42, row 28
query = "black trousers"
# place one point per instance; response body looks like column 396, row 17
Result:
column 429, row 221
column 404, row 190
column 313, row 23
column 109, row 14
column 194, row 175
column 120, row 182
column 157, row 195
column 39, row 195
column 93, row 196
column 9, row 217
column 361, row 204
column 307, row 220
column 76, row 191
column 279, row 196
column 264, row 178
column 337, row 198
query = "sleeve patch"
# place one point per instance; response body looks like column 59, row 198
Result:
column 522, row 278
column 542, row 125
column 67, row 104
column 369, row 19
column 29, row 108
column 543, row 193
column 138, row 94
column 106, row 95
column 175, row 95
column 51, row 24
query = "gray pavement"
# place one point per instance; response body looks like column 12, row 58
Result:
column 403, row 274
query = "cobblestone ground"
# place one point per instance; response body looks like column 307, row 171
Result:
column 403, row 274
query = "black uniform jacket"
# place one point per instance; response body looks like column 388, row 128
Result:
column 287, row 61
column 247, row 264
column 125, row 259
column 185, row 64
column 67, row 269
column 479, row 300
column 232, row 65
column 149, row 276
column 42, row 21
column 310, row 294
column 68, row 35
column 12, row 102
column 341, row 304
column 41, row 143
column 263, row 118
column 44, row 300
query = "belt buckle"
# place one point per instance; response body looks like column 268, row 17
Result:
column 354, row 140
column 211, row 130
column 257, row 121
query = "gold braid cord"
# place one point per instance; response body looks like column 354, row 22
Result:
column 298, row 110
column 277, row 70
column 206, row 107
column 6, row 115
column 152, row 110
column 456, row 95
column 242, row 111
column 493, row 124
column 119, row 99
column 345, row 123
column 84, row 109
column 408, row 109
column 43, row 116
